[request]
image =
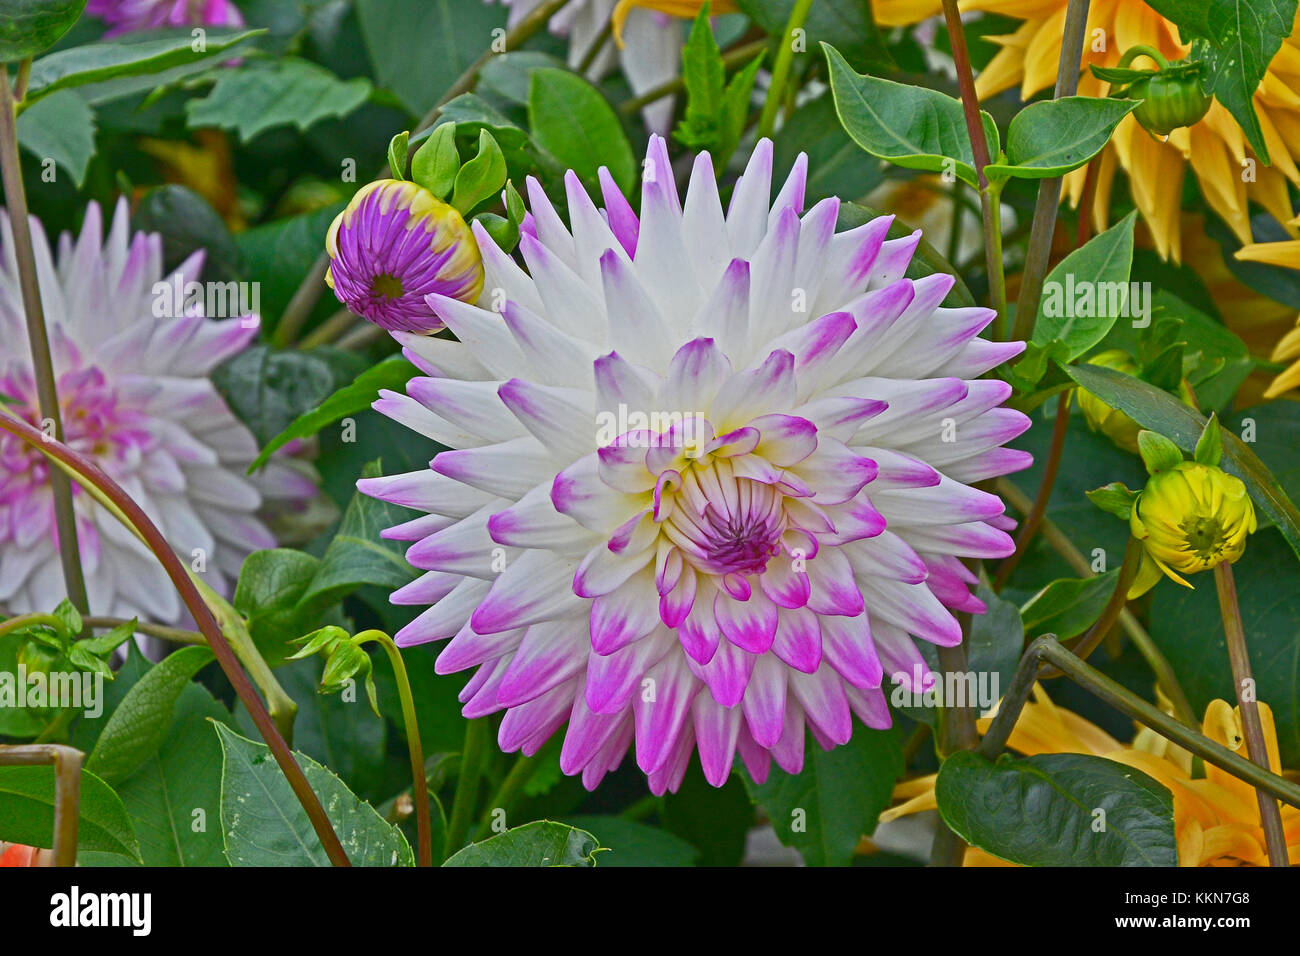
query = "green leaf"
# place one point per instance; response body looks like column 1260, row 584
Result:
column 1087, row 291
column 437, row 162
column 130, row 55
column 1069, row 606
column 27, row 812
column 139, row 724
column 397, row 149
column 824, row 810
column 1238, row 39
column 715, row 109
column 540, row 843
column 997, row 637
column 572, row 121
column 358, row 395
column 1209, row 447
column 358, row 555
column 264, row 825
column 1162, row 413
column 634, row 844
column 187, row 222
column 480, row 178
column 174, row 798
column 1115, row 499
column 1158, row 452
column 836, row 165
column 269, row 389
column 29, row 26
column 714, row 820
column 62, row 128
column 1058, row 810
column 910, row 126
column 284, row 92
column 271, row 584
column 1051, row 137
column 420, row 47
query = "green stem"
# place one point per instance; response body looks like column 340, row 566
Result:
column 954, row 731
column 507, row 794
column 1049, row 190
column 1141, row 49
column 991, row 207
column 1239, row 658
column 471, row 767
column 47, row 394
column 420, row 783
column 1115, row 606
column 1035, row 517
column 28, row 620
column 67, row 790
column 781, row 69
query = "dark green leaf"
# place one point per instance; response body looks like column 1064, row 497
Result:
column 825, row 809
column 264, row 825
column 284, row 251
column 635, row 844
column 187, row 222
column 29, row 26
column 1069, row 606
column 541, row 843
column 62, row 128
column 269, row 389
column 27, row 812
column 846, row 23
column 1058, row 810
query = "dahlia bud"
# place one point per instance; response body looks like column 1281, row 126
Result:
column 1189, row 518
column 1111, row 422
column 394, row 244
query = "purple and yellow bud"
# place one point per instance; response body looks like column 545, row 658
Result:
column 1189, row 518
column 1111, row 422
column 394, row 244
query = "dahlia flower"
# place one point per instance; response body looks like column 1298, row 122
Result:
column 135, row 397
column 392, row 246
column 648, row 53
column 1215, row 147
column 127, row 16
column 1216, row 815
column 709, row 475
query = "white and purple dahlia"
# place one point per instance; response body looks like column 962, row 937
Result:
column 134, row 396
column 127, row 16
column 709, row 475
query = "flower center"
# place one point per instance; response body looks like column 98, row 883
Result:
column 1205, row 537
column 388, row 286
column 725, row 524
column 95, row 423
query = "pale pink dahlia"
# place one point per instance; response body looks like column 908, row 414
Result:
column 135, row 397
column 126, row 16
column 709, row 479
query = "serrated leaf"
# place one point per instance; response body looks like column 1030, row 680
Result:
column 541, row 843
column 264, row 825
column 1044, row 810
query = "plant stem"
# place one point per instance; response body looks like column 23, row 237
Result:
column 1050, row 469
column 1049, row 190
column 507, row 794
column 420, row 783
column 1269, row 815
column 313, row 284
column 955, row 731
column 991, row 210
column 65, row 515
column 27, row 620
column 471, row 767
column 67, row 790
column 1160, row 666
column 602, row 38
column 1114, row 607
column 781, row 69
column 92, row 478
column 1047, row 648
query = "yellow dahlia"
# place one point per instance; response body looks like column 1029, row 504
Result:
column 1216, row 817
column 1215, row 146
column 1286, row 254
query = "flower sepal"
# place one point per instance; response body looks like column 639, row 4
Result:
column 344, row 660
